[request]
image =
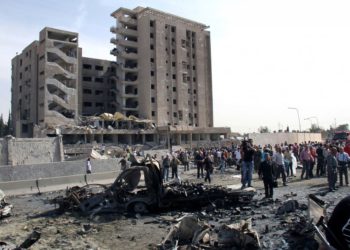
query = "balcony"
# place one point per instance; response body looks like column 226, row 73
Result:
column 126, row 32
column 130, row 95
column 129, row 69
column 130, row 82
column 127, row 55
column 127, row 20
column 113, row 29
column 114, row 52
column 126, row 43
column 128, row 108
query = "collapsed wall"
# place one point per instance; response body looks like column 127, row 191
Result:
column 23, row 151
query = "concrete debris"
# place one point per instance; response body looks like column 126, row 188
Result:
column 287, row 207
column 130, row 192
column 31, row 239
column 5, row 208
column 239, row 235
column 191, row 233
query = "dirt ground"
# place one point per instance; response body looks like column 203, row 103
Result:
column 129, row 231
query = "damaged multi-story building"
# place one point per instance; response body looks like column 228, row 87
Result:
column 158, row 88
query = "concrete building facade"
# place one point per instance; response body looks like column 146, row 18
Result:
column 45, row 82
column 98, row 87
column 167, row 59
column 162, row 74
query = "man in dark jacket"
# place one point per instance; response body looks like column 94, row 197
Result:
column 266, row 171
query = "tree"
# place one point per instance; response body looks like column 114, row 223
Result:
column 315, row 129
column 342, row 127
column 8, row 126
column 263, row 129
column 2, row 126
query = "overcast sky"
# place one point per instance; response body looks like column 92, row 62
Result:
column 266, row 55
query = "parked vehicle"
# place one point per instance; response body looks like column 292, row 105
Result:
column 341, row 137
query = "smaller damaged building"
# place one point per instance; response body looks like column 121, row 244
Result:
column 140, row 189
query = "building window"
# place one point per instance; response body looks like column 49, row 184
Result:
column 99, row 104
column 20, row 75
column 152, row 47
column 152, row 59
column 87, row 79
column 151, row 35
column 42, row 57
column 87, row 91
column 87, row 66
column 153, row 100
column 175, row 114
column 167, row 99
column 195, row 103
column 98, row 92
column 173, row 64
column 174, row 76
column 193, row 56
column 151, row 23
column 172, row 29
column 194, row 67
column 194, row 79
column 183, row 43
column 153, row 113
column 99, row 79
column 174, row 101
column 194, row 91
column 173, row 51
column 152, row 86
column 195, row 115
column 152, row 73
column 98, row 67
column 20, row 62
column 87, row 104
column 42, row 73
column 174, row 89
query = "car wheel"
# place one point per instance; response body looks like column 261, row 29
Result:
column 140, row 207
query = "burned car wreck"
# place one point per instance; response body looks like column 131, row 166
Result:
column 140, row 189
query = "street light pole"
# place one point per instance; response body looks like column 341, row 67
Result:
column 298, row 117
column 299, row 123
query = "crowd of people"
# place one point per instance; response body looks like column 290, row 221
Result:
column 270, row 162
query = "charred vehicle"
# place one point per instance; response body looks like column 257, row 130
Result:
column 140, row 189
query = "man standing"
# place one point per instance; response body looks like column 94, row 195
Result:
column 305, row 158
column 199, row 161
column 278, row 159
column 320, row 161
column 166, row 165
column 332, row 166
column 343, row 160
column 208, row 167
column 266, row 172
column 247, row 164
column 174, row 167
column 88, row 166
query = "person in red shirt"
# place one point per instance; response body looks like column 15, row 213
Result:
column 347, row 148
